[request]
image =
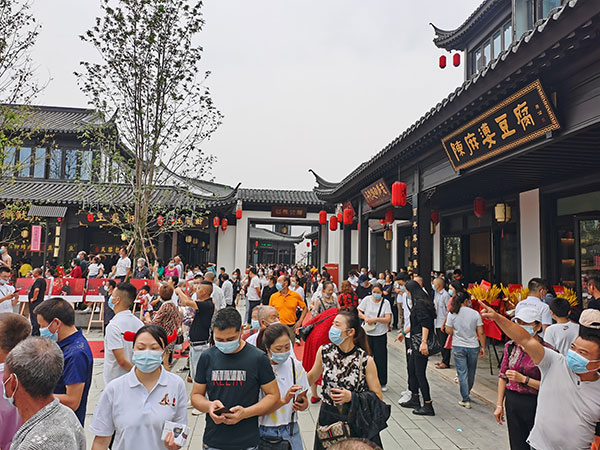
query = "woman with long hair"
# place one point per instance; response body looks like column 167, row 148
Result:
column 293, row 385
column 347, row 368
column 348, row 299
column 422, row 316
column 465, row 326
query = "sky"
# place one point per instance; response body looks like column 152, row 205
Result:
column 302, row 84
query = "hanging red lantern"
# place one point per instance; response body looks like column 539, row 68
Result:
column 216, row 222
column 160, row 221
column 340, row 218
column 256, row 243
column 348, row 216
column 60, row 219
column 333, row 222
column 382, row 221
column 479, row 207
column 322, row 217
column 238, row 214
column 316, row 242
column 456, row 59
column 90, row 217
column 435, row 216
column 389, row 215
column 442, row 62
column 308, row 244
column 224, row 224
column 399, row 194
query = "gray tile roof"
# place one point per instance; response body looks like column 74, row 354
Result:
column 279, row 197
column 57, row 119
column 261, row 234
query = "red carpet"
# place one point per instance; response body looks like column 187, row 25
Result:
column 96, row 347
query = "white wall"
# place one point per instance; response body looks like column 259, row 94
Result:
column 334, row 245
column 354, row 247
column 437, row 242
column 226, row 248
column 531, row 256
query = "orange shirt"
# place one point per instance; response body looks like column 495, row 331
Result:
column 286, row 306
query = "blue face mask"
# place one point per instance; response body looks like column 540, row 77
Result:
column 376, row 296
column 451, row 292
column 279, row 286
column 111, row 305
column 227, row 347
column 9, row 400
column 147, row 361
column 3, row 281
column 280, row 358
column 403, row 288
column 46, row 333
column 577, row 363
column 529, row 329
column 335, row 336
column 255, row 324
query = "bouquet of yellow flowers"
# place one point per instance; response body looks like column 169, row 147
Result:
column 484, row 295
column 514, row 296
column 570, row 295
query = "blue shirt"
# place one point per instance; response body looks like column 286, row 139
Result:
column 78, row 368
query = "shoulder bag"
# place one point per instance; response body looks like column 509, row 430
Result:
column 433, row 343
column 277, row 442
column 368, row 328
column 303, row 332
column 329, row 435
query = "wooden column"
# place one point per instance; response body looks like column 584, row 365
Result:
column 213, row 242
column 347, row 250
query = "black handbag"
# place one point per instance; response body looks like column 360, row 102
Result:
column 303, row 332
column 277, row 442
column 433, row 343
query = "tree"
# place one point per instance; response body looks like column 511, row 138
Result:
column 18, row 84
column 149, row 83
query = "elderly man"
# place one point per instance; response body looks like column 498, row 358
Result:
column 14, row 328
column 287, row 302
column 31, row 371
column 122, row 269
column 218, row 295
column 267, row 315
column 141, row 271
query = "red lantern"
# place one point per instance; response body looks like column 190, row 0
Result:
column 256, row 243
column 216, row 222
column 238, row 214
column 456, row 59
column 60, row 219
column 348, row 216
column 160, row 221
column 399, row 194
column 389, row 215
column 322, row 217
column 333, row 223
column 442, row 62
column 340, row 218
column 479, row 207
column 435, row 216
column 308, row 244
column 316, row 242
column 224, row 224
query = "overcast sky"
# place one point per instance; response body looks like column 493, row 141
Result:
column 321, row 84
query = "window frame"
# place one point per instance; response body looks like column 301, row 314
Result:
column 476, row 65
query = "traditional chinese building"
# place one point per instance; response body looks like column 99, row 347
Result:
column 54, row 167
column 503, row 175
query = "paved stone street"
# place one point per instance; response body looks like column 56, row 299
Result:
column 453, row 427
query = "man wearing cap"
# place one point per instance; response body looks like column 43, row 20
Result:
column 537, row 291
column 364, row 287
column 569, row 395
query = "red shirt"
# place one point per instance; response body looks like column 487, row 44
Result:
column 348, row 301
column 76, row 272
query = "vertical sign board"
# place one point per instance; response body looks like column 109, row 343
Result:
column 36, row 238
column 521, row 118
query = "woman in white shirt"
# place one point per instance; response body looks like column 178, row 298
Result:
column 293, row 386
column 377, row 314
column 135, row 406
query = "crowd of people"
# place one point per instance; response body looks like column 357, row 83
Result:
column 264, row 343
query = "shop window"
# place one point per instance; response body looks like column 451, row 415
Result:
column 589, row 249
column 55, row 164
column 39, row 163
column 452, row 252
column 70, row 164
column 509, row 255
column 479, row 253
column 566, row 256
column 545, row 6
column 86, row 165
column 24, row 162
column 8, row 162
column 491, row 47
column 507, row 33
column 523, row 16
column 497, row 44
column 487, row 52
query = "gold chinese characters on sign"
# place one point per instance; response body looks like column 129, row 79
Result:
column 288, row 211
column 521, row 118
column 377, row 194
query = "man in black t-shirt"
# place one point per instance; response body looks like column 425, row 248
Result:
column 364, row 287
column 36, row 296
column 593, row 288
column 199, row 334
column 231, row 374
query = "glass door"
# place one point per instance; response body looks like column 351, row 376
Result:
column 589, row 252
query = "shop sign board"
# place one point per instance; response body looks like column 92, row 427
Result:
column 377, row 194
column 36, row 238
column 523, row 117
column 288, row 211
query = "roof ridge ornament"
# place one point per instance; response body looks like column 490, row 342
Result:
column 322, row 182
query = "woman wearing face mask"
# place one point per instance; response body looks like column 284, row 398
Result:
column 422, row 316
column 347, row 369
column 167, row 317
column 293, row 385
column 325, row 300
column 518, row 383
column 377, row 314
column 171, row 269
column 465, row 326
column 136, row 406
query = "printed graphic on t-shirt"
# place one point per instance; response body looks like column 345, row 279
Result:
column 228, row 377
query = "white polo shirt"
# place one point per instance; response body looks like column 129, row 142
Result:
column 113, row 340
column 218, row 297
column 137, row 417
column 6, row 306
column 122, row 265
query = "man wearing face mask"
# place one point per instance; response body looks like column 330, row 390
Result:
column 569, row 395
column 267, row 315
column 287, row 303
column 537, row 291
column 8, row 297
column 117, row 351
column 14, row 328
column 227, row 384
column 31, row 371
column 364, row 287
column 296, row 287
column 57, row 319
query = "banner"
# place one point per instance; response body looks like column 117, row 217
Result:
column 36, row 238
